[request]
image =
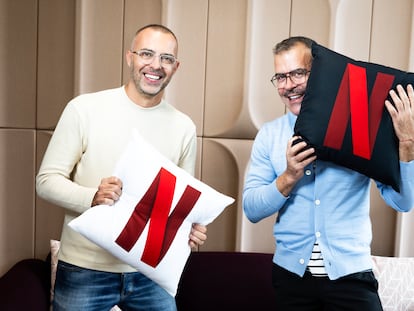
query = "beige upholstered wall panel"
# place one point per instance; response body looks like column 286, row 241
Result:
column 257, row 237
column 98, row 45
column 55, row 72
column 226, row 36
column 197, row 172
column 383, row 220
column 392, row 34
column 311, row 18
column 18, row 35
column 137, row 13
column 342, row 25
column 404, row 242
column 267, row 23
column 219, row 169
column 67, row 47
column 189, row 19
column 49, row 217
column 224, row 164
column 351, row 27
column 17, row 196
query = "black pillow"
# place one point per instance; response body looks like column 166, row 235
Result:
column 344, row 118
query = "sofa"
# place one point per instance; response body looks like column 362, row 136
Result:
column 226, row 281
column 210, row 281
column 26, row 286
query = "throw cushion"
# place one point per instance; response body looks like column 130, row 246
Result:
column 149, row 226
column 395, row 282
column 344, row 118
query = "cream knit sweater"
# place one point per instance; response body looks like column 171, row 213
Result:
column 89, row 138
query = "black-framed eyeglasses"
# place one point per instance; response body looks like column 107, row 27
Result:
column 297, row 76
column 147, row 57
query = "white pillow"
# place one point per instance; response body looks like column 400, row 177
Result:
column 395, row 282
column 122, row 229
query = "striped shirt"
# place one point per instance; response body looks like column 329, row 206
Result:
column 316, row 265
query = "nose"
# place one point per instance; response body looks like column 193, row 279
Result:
column 289, row 84
column 156, row 62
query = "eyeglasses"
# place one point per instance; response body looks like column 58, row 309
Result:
column 147, row 57
column 297, row 76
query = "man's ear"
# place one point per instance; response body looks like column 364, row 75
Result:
column 128, row 58
column 177, row 64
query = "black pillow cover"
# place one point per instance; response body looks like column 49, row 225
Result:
column 344, row 118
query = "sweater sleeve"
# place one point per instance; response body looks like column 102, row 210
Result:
column 53, row 182
column 261, row 198
column 402, row 201
column 188, row 157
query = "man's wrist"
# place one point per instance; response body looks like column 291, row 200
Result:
column 407, row 140
column 406, row 150
column 283, row 185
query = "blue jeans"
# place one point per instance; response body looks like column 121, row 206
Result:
column 77, row 288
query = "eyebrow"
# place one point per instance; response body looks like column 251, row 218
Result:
column 288, row 72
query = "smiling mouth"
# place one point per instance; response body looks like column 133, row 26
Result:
column 295, row 96
column 152, row 77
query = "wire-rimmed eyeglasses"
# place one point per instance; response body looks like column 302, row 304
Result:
column 297, row 76
column 147, row 57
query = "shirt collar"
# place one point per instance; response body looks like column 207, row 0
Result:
column 292, row 119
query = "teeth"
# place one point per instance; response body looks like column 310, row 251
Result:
column 152, row 77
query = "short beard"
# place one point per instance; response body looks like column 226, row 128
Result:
column 136, row 77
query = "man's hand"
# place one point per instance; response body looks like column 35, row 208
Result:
column 298, row 156
column 109, row 191
column 402, row 115
column 198, row 235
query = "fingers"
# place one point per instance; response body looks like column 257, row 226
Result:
column 112, row 180
column 405, row 100
column 402, row 100
column 298, row 156
column 410, row 91
column 109, row 191
column 300, row 153
column 198, row 235
column 398, row 98
column 112, row 185
column 401, row 111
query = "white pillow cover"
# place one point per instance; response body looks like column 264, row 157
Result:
column 395, row 282
column 148, row 228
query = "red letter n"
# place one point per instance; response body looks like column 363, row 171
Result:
column 352, row 101
column 155, row 207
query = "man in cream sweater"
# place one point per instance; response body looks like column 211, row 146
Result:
column 76, row 173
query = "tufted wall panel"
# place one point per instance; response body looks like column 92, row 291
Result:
column 52, row 50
